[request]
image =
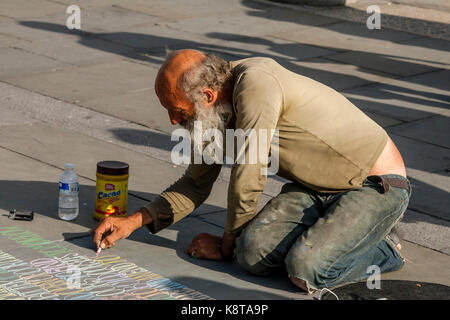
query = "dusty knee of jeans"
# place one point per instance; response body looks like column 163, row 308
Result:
column 301, row 262
column 249, row 254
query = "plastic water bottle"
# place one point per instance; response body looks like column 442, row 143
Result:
column 68, row 207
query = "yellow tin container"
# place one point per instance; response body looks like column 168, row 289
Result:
column 112, row 189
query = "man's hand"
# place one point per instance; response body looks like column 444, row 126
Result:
column 111, row 229
column 205, row 246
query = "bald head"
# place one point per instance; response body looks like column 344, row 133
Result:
column 171, row 96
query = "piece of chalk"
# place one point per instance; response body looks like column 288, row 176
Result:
column 98, row 251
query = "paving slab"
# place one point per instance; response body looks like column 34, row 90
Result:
column 434, row 130
column 112, row 18
column 409, row 58
column 92, row 19
column 79, row 84
column 249, row 24
column 8, row 41
column 153, row 36
column 140, row 106
column 442, row 5
column 421, row 158
column 39, row 28
column 80, row 50
column 18, row 62
column 346, row 36
column 89, row 3
column 179, row 9
column 430, row 194
column 435, row 51
column 421, row 264
column 15, row 118
column 395, row 65
column 407, row 99
column 425, row 230
column 29, row 185
column 339, row 76
column 24, row 9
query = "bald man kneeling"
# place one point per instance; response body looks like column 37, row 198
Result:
column 348, row 187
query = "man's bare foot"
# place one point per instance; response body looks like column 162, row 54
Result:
column 395, row 235
column 299, row 283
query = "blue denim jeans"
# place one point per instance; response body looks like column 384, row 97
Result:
column 325, row 239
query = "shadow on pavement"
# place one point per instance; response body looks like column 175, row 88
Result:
column 144, row 138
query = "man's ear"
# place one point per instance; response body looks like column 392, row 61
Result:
column 210, row 96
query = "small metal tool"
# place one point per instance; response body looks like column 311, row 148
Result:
column 20, row 215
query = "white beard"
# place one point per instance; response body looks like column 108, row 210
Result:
column 216, row 117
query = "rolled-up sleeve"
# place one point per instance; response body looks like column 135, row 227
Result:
column 258, row 100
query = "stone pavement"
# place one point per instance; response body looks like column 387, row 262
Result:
column 86, row 95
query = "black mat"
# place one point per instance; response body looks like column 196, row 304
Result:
column 391, row 290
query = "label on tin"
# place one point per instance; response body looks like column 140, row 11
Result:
column 111, row 198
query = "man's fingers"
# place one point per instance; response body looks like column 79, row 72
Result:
column 108, row 242
column 102, row 228
column 111, row 239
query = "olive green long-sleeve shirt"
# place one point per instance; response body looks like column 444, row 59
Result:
column 324, row 142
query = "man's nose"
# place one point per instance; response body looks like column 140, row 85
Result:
column 174, row 117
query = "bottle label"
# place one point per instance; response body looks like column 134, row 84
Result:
column 69, row 187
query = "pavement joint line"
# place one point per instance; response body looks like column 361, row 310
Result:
column 409, row 121
column 95, row 36
column 422, row 246
column 423, row 73
column 43, row 55
column 399, row 78
column 422, row 141
column 80, row 106
column 330, row 57
column 15, row 37
column 415, row 5
column 417, row 37
column 168, row 19
column 368, row 85
column 207, row 213
column 4, row 16
column 337, row 50
column 134, row 11
column 325, row 55
column 428, row 214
